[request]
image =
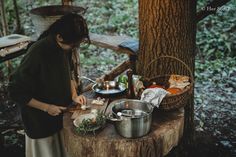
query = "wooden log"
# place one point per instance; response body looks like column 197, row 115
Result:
column 166, row 131
column 110, row 42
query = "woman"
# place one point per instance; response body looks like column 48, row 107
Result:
column 43, row 85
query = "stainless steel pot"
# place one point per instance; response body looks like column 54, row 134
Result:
column 132, row 118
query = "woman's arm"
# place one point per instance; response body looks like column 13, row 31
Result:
column 78, row 99
column 73, row 89
column 51, row 109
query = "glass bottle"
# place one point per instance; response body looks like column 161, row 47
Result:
column 130, row 92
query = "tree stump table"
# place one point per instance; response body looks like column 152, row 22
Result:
column 166, row 131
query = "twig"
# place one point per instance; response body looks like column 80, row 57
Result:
column 1, row 34
column 210, row 8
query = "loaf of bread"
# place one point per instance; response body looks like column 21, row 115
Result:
column 178, row 81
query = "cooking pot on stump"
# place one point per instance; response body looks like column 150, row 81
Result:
column 132, row 118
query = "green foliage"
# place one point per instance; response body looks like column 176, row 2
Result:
column 7, row 70
column 216, row 35
column 112, row 17
column 219, row 71
column 217, row 79
column 12, row 139
column 108, row 17
column 100, row 59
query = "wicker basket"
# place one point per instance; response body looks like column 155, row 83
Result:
column 171, row 102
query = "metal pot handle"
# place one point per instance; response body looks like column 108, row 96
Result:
column 85, row 10
column 86, row 78
column 111, row 118
column 153, row 106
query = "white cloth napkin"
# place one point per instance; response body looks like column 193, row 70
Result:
column 154, row 95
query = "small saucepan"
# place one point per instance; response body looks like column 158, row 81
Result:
column 107, row 88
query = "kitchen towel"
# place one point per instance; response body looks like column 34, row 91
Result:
column 154, row 95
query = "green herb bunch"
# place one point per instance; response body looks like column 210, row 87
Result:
column 91, row 125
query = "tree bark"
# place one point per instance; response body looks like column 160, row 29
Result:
column 168, row 28
column 66, row 2
column 3, row 18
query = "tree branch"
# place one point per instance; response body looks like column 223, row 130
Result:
column 1, row 34
column 18, row 24
column 210, row 8
column 3, row 19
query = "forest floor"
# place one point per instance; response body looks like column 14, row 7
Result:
column 215, row 117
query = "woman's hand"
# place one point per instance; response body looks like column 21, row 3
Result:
column 80, row 99
column 54, row 110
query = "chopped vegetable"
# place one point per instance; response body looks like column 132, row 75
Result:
column 174, row 90
column 123, row 79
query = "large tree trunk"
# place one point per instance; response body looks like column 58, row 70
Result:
column 168, row 27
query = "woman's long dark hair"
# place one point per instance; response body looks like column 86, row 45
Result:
column 72, row 27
